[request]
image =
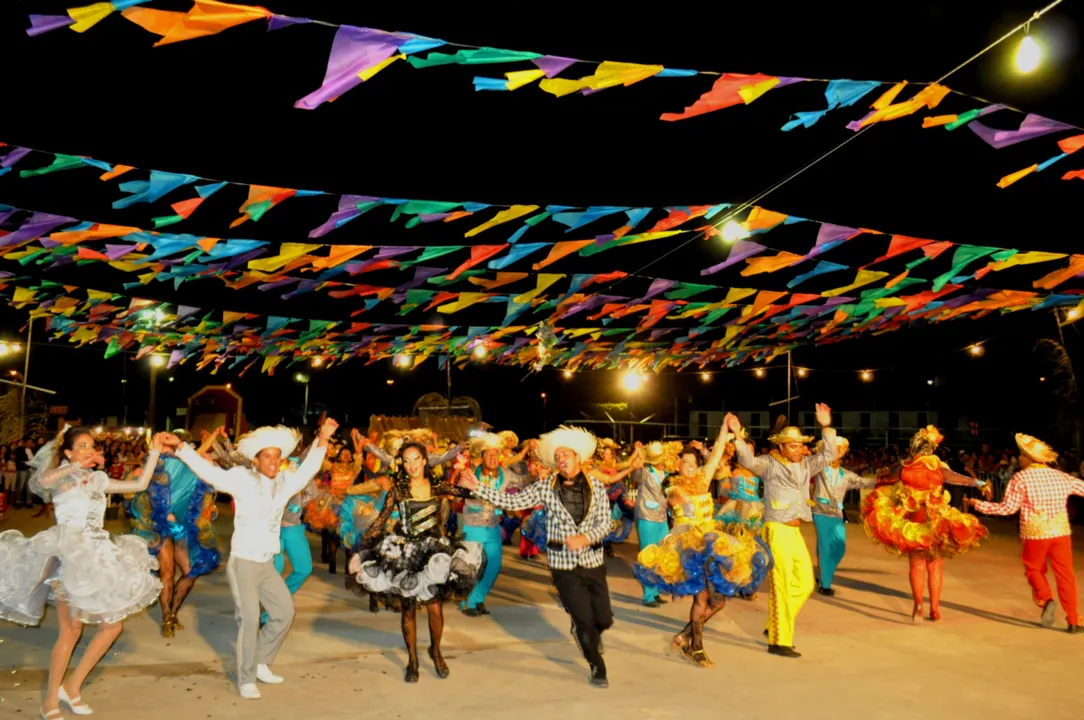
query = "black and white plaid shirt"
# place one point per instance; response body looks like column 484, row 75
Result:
column 559, row 523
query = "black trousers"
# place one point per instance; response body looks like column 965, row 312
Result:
column 586, row 597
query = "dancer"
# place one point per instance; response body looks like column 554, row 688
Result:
column 416, row 561
column 742, row 504
column 91, row 579
column 359, row 510
column 612, row 474
column 175, row 517
column 321, row 514
column 786, row 474
column 829, row 488
column 293, row 543
column 260, row 495
column 577, row 520
column 481, row 520
column 910, row 515
column 701, row 558
column 651, row 524
column 1039, row 493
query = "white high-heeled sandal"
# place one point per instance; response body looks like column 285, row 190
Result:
column 74, row 704
column 51, row 715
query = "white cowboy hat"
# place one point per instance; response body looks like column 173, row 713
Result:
column 576, row 439
column 285, row 439
column 489, row 441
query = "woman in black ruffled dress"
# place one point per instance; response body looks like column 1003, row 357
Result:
column 413, row 560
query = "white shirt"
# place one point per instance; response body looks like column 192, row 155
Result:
column 259, row 501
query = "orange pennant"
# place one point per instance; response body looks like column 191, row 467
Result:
column 759, row 265
column 1052, row 280
column 184, row 208
column 478, row 253
column 207, row 243
column 1013, row 177
column 338, row 254
column 207, row 17
column 560, row 250
column 117, row 171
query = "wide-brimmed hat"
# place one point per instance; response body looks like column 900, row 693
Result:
column 507, row 435
column 654, row 453
column 488, row 441
column 790, row 435
column 842, row 445
column 1035, row 449
column 285, row 439
column 576, row 439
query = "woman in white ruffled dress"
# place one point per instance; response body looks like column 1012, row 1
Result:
column 92, row 579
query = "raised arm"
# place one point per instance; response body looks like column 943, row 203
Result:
column 222, row 480
column 759, row 466
column 370, row 487
column 314, row 459
column 445, row 456
column 717, row 453
column 138, row 486
column 51, row 478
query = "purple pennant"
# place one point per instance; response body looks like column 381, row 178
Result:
column 1033, row 126
column 5, row 214
column 742, row 249
column 829, row 236
column 658, row 285
column 421, row 274
column 277, row 22
column 35, row 226
column 551, row 65
column 175, row 357
column 348, row 209
column 116, row 252
column 14, row 156
column 44, row 23
column 241, row 259
column 4, row 274
column 184, row 311
column 354, row 49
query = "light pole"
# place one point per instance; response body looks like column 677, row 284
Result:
column 157, row 361
column 304, row 380
column 26, row 375
column 543, row 412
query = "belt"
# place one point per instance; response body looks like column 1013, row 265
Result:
column 793, row 523
column 561, row 546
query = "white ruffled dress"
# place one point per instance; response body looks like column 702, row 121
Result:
column 102, row 579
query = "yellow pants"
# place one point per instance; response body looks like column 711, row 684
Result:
column 790, row 582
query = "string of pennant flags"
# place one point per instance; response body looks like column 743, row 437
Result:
column 357, row 54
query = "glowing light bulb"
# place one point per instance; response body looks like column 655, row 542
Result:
column 402, row 361
column 390, row 381
column 802, row 372
column 866, row 376
column 759, row 372
column 1028, row 54
column 705, row 376
column 976, row 350
column 567, row 374
column 929, row 382
column 317, row 362
column 3, row 349
column 632, row 381
column 479, row 351
column 734, row 231
column 1071, row 315
column 157, row 361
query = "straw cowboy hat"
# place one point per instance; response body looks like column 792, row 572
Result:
column 285, row 439
column 489, row 441
column 842, row 445
column 789, row 435
column 654, row 453
column 1035, row 449
column 576, row 439
column 509, row 438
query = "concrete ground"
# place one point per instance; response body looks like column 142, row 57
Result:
column 862, row 657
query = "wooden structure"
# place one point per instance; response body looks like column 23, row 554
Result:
column 216, row 406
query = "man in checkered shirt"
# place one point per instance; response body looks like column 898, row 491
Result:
column 1039, row 493
column 577, row 520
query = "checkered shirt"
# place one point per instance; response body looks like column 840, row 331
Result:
column 1039, row 494
column 559, row 524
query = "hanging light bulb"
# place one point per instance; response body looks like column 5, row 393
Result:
column 705, row 376
column 1028, row 54
column 734, row 231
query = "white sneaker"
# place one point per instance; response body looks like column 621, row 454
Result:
column 249, row 691
column 264, row 675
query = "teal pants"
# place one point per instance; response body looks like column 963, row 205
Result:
column 650, row 533
column 831, row 545
column 295, row 546
column 490, row 538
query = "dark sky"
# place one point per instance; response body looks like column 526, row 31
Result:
column 221, row 107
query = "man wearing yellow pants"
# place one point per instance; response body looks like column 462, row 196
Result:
column 785, row 475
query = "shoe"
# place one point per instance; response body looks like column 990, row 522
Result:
column 75, row 704
column 783, row 651
column 51, row 715
column 609, row 551
column 652, row 603
column 599, row 680
column 1075, row 629
column 249, row 691
column 374, row 604
column 439, row 664
column 167, row 627
column 765, row 632
column 1048, row 613
column 916, row 615
column 264, row 675
column 827, row 592
column 934, row 615
column 701, row 659
column 471, row 612
column 661, row 600
column 482, row 609
column 411, row 673
column 175, row 623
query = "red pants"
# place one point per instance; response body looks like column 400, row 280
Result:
column 1059, row 551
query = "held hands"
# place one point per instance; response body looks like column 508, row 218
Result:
column 987, row 491
column 824, row 415
column 95, row 459
column 168, row 441
column 468, row 481
column 327, row 429
column 575, row 543
column 732, row 423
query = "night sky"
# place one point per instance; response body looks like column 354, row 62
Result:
column 221, row 107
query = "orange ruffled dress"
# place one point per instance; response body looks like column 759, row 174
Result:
column 914, row 515
column 322, row 513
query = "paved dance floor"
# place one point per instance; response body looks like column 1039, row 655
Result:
column 862, row 657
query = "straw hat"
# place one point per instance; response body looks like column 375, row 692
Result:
column 509, row 438
column 576, row 439
column 489, row 441
column 842, row 445
column 789, row 435
column 1035, row 449
column 285, row 439
column 654, row 453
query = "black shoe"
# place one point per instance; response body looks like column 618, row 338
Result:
column 652, row 603
column 783, row 651
column 439, row 664
column 599, row 680
column 1075, row 630
column 411, row 674
column 1048, row 613
column 609, row 550
column 472, row 612
column 482, row 609
column 374, row 604
column 827, row 592
column 765, row 632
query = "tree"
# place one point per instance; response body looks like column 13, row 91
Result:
column 1062, row 380
column 36, row 421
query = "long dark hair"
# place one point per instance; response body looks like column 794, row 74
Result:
column 66, row 441
column 401, row 478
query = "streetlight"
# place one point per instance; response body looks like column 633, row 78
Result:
column 404, row 361
column 304, row 380
column 632, row 381
column 543, row 412
column 802, row 372
column 317, row 362
column 734, row 231
column 157, row 362
column 479, row 351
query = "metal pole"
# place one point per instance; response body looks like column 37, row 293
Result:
column 448, row 368
column 305, row 419
column 151, row 405
column 789, row 421
column 26, row 376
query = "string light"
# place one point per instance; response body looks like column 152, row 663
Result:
column 976, row 350
column 479, row 351
column 705, row 376
column 1073, row 314
column 390, row 381
column 300, row 377
column 929, row 382
column 317, row 362
column 802, row 372
column 567, row 374
column 759, row 372
column 734, row 231
column 543, row 396
column 157, row 361
column 1028, row 54
column 403, row 361
column 632, row 381
column 866, row 376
